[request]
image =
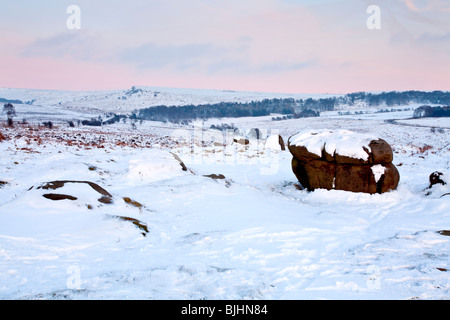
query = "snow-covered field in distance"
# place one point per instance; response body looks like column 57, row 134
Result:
column 128, row 100
column 252, row 235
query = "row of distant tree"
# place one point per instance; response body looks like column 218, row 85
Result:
column 395, row 98
column 432, row 112
column 266, row 107
column 288, row 108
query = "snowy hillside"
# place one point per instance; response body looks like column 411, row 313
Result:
column 125, row 101
column 234, row 225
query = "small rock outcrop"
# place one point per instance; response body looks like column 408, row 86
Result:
column 139, row 224
column 183, row 166
column 281, row 143
column 58, row 197
column 87, row 194
column 343, row 160
column 242, row 141
column 215, row 176
column 104, row 196
column 435, row 178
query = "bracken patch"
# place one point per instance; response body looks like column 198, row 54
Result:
column 141, row 225
column 132, row 202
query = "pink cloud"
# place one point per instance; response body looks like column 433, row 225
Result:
column 262, row 45
column 410, row 4
column 47, row 73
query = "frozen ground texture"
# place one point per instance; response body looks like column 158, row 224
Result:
column 252, row 235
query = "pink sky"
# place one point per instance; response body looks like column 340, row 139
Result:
column 292, row 46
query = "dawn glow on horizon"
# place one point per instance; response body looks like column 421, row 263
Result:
column 288, row 46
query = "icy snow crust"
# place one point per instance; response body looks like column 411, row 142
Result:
column 343, row 142
column 251, row 235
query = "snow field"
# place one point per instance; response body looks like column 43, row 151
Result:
column 252, row 235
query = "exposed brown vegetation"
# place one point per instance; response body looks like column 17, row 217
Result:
column 141, row 225
column 422, row 149
column 132, row 202
column 2, row 137
column 85, row 138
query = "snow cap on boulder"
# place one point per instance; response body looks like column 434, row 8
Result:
column 340, row 146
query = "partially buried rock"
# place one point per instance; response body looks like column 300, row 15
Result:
column 154, row 165
column 242, row 141
column 275, row 142
column 281, row 143
column 435, row 178
column 58, row 197
column 215, row 176
column 343, row 160
column 98, row 192
column 183, row 166
column 141, row 225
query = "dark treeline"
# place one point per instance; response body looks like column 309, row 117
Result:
column 395, row 98
column 238, row 109
column 432, row 112
column 3, row 100
column 289, row 107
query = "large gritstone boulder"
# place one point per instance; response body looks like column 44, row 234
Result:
column 343, row 160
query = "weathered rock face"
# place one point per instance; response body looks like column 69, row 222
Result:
column 281, row 142
column 343, row 160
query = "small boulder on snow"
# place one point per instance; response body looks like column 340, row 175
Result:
column 438, row 185
column 343, row 160
column 215, row 176
column 241, row 140
column 59, row 197
column 435, row 178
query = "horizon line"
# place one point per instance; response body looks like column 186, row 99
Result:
column 219, row 90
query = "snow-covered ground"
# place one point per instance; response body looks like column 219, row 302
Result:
column 428, row 122
column 251, row 235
